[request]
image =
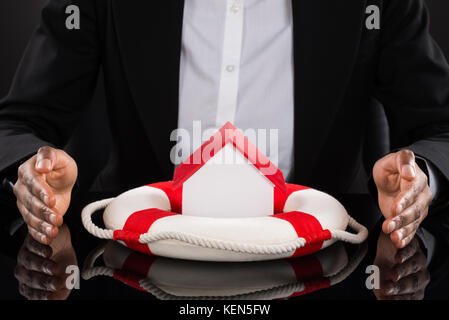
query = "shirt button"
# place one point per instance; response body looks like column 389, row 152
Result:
column 230, row 68
column 235, row 8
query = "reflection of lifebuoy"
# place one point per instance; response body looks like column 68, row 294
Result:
column 148, row 219
column 204, row 280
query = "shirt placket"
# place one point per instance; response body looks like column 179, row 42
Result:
column 230, row 68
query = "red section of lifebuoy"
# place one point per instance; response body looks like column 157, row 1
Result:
column 139, row 223
column 174, row 195
column 135, row 268
column 307, row 227
column 309, row 271
column 280, row 198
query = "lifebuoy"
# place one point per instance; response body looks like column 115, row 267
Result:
column 170, row 279
column 149, row 219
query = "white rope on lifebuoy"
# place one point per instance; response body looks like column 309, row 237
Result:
column 211, row 243
column 359, row 237
column 224, row 245
column 264, row 294
column 89, row 271
column 97, row 271
column 86, row 217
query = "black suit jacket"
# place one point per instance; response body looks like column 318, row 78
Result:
column 339, row 64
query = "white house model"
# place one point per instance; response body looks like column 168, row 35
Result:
column 228, row 177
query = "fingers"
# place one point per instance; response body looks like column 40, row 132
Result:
column 36, row 280
column 33, row 197
column 35, row 183
column 33, row 209
column 408, row 279
column 45, row 159
column 415, row 213
column 41, row 272
column 403, row 226
column 407, row 252
column 32, row 214
column 418, row 295
column 40, row 180
column 411, row 193
column 34, row 262
column 35, row 270
column 37, row 248
column 38, row 236
column 33, row 294
column 403, row 277
column 409, row 207
column 402, row 237
column 413, row 265
column 405, row 160
column 409, row 285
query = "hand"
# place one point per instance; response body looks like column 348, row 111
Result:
column 41, row 269
column 403, row 272
column 43, row 191
column 404, row 195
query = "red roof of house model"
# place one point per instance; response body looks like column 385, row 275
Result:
column 228, row 134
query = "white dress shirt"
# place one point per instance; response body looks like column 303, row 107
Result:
column 237, row 66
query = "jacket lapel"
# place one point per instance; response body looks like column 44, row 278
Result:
column 326, row 37
column 149, row 35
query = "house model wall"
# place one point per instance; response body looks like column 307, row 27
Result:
column 228, row 185
column 232, row 182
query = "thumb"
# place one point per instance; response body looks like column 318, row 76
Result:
column 405, row 161
column 45, row 160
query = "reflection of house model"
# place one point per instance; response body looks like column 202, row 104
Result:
column 228, row 177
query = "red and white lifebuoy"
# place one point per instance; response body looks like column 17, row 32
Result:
column 149, row 219
column 170, row 279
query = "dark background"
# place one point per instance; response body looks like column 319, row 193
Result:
column 18, row 19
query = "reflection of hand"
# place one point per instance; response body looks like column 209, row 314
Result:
column 404, row 195
column 403, row 272
column 41, row 269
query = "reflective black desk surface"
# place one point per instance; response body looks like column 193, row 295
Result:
column 104, row 270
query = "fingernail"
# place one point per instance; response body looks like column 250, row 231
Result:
column 408, row 171
column 390, row 290
column 43, row 238
column 53, row 219
column 391, row 226
column 39, row 164
column 48, row 266
column 400, row 235
column 49, row 231
column 44, row 163
column 45, row 199
column 400, row 208
column 52, row 286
